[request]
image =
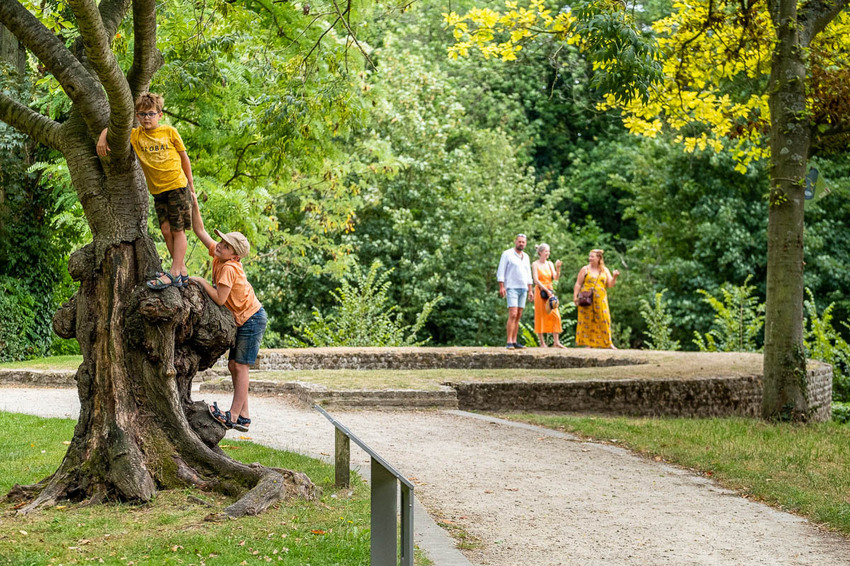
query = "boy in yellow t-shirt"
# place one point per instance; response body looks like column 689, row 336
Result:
column 168, row 173
column 231, row 289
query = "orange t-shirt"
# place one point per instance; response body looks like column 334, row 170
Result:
column 242, row 301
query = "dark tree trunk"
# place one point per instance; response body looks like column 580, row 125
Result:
column 139, row 429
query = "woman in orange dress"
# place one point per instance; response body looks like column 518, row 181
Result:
column 545, row 274
column 594, row 321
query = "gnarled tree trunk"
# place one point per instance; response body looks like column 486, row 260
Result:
column 139, row 429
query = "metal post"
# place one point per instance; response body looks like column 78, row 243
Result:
column 385, row 482
column 384, row 511
column 406, row 526
column 342, row 460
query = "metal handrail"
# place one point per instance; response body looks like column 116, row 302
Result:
column 385, row 481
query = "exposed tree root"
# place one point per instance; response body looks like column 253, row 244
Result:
column 273, row 487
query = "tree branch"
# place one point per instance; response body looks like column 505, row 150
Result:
column 816, row 15
column 236, row 173
column 40, row 128
column 345, row 22
column 180, row 118
column 78, row 84
column 112, row 13
column 146, row 57
column 99, row 54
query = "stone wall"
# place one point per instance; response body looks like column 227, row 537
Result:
column 820, row 391
column 424, row 358
column 709, row 397
column 704, row 397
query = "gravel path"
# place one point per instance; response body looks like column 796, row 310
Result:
column 532, row 496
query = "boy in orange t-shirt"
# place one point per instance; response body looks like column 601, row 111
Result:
column 231, row 289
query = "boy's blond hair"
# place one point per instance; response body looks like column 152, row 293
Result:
column 148, row 101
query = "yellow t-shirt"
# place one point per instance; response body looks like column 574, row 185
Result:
column 157, row 151
column 242, row 301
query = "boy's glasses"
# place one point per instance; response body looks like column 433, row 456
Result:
column 146, row 114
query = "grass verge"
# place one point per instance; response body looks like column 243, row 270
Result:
column 50, row 363
column 171, row 529
column 802, row 469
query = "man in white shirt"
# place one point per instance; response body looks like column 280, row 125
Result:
column 515, row 283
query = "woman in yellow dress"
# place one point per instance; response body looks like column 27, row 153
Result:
column 594, row 321
column 545, row 274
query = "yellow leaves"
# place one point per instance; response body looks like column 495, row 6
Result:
column 502, row 34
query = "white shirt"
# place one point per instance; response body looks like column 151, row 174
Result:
column 514, row 270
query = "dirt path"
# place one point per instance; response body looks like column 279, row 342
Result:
column 531, row 496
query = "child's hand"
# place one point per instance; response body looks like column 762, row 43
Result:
column 102, row 146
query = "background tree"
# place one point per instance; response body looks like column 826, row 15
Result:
column 138, row 428
column 717, row 45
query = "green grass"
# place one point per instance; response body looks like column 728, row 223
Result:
column 53, row 362
column 802, row 469
column 171, row 529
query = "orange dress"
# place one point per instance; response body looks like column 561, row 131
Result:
column 594, row 322
column 545, row 323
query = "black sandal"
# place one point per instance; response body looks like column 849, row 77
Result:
column 242, row 424
column 223, row 418
column 158, row 284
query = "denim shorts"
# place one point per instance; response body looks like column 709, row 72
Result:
column 517, row 296
column 248, row 338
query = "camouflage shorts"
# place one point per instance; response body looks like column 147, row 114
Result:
column 175, row 207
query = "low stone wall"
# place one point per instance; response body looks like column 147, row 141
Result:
column 38, row 378
column 425, row 358
column 703, row 397
column 708, row 397
column 820, row 391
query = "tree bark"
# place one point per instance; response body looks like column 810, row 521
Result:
column 785, row 394
column 139, row 429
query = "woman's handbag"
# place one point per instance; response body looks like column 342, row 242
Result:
column 585, row 298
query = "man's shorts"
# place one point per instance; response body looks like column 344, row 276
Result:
column 517, row 296
column 174, row 206
column 248, row 338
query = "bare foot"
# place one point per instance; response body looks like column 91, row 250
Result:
column 559, row 345
column 544, row 345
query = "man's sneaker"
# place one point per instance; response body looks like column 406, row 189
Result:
column 518, row 346
column 510, row 346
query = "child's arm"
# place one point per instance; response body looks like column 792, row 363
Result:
column 102, row 146
column 198, row 223
column 187, row 169
column 218, row 294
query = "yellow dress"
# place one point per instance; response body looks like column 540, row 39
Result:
column 545, row 323
column 594, row 322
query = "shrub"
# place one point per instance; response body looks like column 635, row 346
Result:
column 738, row 320
column 659, row 323
column 18, row 336
column 824, row 343
column 363, row 316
